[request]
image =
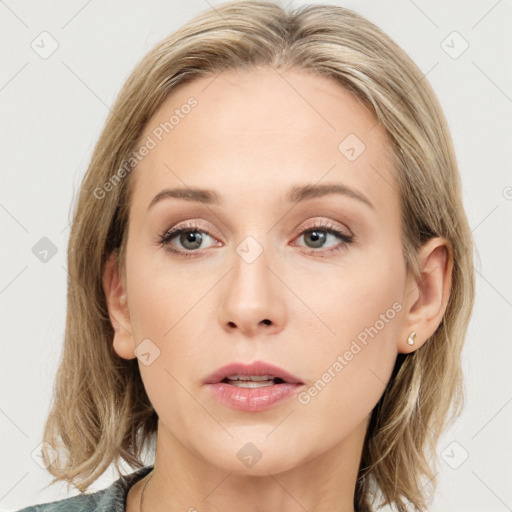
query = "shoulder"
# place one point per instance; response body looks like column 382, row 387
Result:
column 81, row 502
column 111, row 499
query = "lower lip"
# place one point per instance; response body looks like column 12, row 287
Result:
column 253, row 399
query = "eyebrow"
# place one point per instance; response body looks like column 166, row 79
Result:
column 296, row 194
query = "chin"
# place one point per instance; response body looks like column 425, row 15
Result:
column 256, row 455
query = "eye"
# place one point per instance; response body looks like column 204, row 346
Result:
column 190, row 239
column 317, row 236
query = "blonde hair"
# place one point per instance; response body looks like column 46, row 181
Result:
column 100, row 411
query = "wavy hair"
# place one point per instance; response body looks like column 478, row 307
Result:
column 100, row 412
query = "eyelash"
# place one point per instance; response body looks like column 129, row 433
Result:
column 166, row 238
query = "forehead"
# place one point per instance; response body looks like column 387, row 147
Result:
column 258, row 131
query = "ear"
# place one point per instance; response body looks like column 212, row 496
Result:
column 427, row 293
column 115, row 294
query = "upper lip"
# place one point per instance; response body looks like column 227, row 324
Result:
column 255, row 368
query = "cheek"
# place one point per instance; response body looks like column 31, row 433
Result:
column 160, row 315
column 160, row 297
column 351, row 354
column 151, row 309
column 343, row 396
column 164, row 310
column 348, row 378
column 342, row 303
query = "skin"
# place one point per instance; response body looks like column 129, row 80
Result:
column 251, row 137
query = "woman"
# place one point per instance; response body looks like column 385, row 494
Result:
column 271, row 275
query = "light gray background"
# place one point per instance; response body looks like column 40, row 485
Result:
column 52, row 112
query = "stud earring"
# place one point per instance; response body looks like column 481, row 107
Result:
column 410, row 339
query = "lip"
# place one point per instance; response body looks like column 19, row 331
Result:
column 256, row 368
column 252, row 399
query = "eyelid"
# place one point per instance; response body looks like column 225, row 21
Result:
column 344, row 235
column 193, row 225
column 305, row 226
column 326, row 224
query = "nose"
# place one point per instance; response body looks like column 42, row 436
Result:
column 253, row 294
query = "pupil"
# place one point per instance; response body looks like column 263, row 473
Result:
column 191, row 237
column 318, row 238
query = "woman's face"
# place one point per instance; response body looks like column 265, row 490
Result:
column 265, row 271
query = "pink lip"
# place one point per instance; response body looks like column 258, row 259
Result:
column 256, row 368
column 252, row 399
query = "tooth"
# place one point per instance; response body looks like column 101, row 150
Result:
column 251, row 384
column 256, row 378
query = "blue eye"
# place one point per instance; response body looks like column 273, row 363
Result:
column 191, row 239
column 319, row 235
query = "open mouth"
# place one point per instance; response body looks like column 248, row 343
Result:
column 252, row 387
column 252, row 381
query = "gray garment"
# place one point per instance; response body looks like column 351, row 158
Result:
column 111, row 499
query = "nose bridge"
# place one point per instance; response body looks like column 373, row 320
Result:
column 251, row 299
column 251, row 276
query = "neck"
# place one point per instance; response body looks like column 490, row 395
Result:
column 182, row 481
